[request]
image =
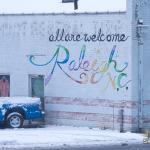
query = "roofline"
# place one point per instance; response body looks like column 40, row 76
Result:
column 64, row 13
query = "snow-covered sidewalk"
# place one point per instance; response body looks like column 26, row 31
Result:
column 57, row 136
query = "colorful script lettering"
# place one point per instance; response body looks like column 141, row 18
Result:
column 92, row 72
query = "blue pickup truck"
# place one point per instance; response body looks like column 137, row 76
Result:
column 14, row 110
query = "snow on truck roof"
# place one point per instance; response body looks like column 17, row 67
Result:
column 19, row 100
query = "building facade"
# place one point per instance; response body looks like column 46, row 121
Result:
column 91, row 69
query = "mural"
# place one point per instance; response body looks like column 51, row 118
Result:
column 86, row 71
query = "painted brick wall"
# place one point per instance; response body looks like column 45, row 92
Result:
column 86, row 60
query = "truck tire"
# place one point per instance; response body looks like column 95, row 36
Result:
column 14, row 120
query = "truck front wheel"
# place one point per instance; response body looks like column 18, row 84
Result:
column 14, row 120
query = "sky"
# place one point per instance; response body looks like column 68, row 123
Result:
column 48, row 6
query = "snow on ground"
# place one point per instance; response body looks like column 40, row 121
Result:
column 57, row 136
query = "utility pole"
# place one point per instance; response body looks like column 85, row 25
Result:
column 72, row 1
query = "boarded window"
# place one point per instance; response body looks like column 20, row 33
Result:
column 4, row 85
